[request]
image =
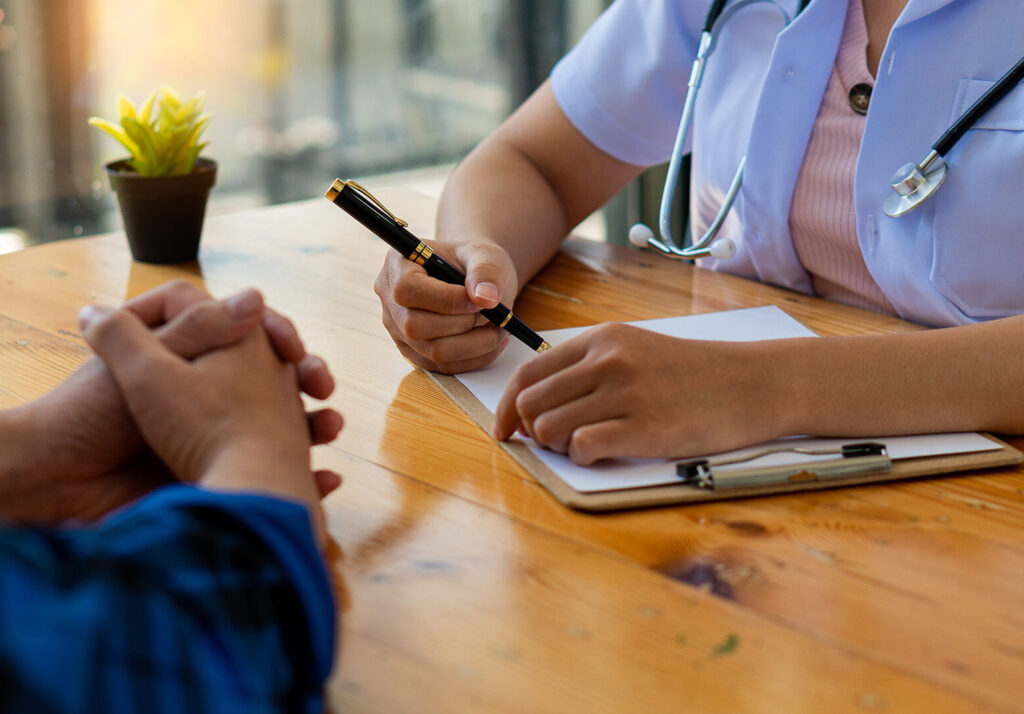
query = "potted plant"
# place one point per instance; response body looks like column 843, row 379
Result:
column 162, row 188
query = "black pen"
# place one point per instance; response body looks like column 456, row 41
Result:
column 361, row 205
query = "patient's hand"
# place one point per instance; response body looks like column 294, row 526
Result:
column 230, row 419
column 76, row 452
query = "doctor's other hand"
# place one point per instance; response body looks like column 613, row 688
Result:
column 621, row 391
column 436, row 325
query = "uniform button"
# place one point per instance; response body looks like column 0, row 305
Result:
column 860, row 98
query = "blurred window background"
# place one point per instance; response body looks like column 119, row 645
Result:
column 300, row 91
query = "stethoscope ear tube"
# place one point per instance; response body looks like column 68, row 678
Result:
column 708, row 245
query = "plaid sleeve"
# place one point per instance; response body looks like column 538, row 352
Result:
column 187, row 601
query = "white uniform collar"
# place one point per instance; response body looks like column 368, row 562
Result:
column 916, row 9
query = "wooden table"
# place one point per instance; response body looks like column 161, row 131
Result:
column 466, row 588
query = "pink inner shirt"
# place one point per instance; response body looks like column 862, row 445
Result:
column 822, row 220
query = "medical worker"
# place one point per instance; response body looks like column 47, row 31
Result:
column 825, row 109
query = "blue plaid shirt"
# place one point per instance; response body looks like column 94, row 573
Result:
column 187, row 601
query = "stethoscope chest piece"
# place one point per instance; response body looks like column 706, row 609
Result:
column 912, row 185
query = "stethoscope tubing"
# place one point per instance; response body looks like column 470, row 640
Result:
column 912, row 183
column 998, row 90
column 701, row 247
column 717, row 6
column 713, row 12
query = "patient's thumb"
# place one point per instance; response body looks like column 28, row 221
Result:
column 129, row 349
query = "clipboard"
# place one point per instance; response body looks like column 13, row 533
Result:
column 684, row 492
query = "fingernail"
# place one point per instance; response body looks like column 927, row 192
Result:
column 244, row 304
column 487, row 291
column 90, row 314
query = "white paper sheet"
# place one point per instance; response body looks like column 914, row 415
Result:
column 757, row 323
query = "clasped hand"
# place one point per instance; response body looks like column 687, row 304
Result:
column 211, row 387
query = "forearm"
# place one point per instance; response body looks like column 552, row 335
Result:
column 54, row 469
column 496, row 194
column 956, row 379
column 24, row 482
column 528, row 184
column 273, row 471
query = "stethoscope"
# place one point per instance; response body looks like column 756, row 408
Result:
column 912, row 184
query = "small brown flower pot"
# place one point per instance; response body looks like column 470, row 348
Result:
column 163, row 215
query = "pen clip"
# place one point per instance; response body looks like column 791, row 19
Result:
column 339, row 185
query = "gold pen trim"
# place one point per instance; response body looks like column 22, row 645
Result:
column 544, row 346
column 334, row 190
column 506, row 320
column 339, row 185
column 422, row 254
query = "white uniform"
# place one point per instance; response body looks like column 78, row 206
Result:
column 957, row 259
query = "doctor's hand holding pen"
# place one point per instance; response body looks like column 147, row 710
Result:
column 437, row 325
column 503, row 214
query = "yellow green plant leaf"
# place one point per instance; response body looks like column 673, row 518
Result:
column 187, row 162
column 147, row 108
column 165, row 118
column 140, row 134
column 125, row 107
column 182, row 165
column 200, row 125
column 115, row 131
column 170, row 97
column 178, row 138
column 176, row 147
column 188, row 111
column 162, row 152
column 163, row 135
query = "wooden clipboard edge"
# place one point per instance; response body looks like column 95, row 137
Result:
column 520, row 452
column 463, row 398
column 650, row 496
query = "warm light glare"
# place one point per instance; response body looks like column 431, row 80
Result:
column 295, row 90
column 141, row 44
column 11, row 241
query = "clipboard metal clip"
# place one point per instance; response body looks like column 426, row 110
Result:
column 853, row 459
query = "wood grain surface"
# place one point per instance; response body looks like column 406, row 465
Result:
column 463, row 586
